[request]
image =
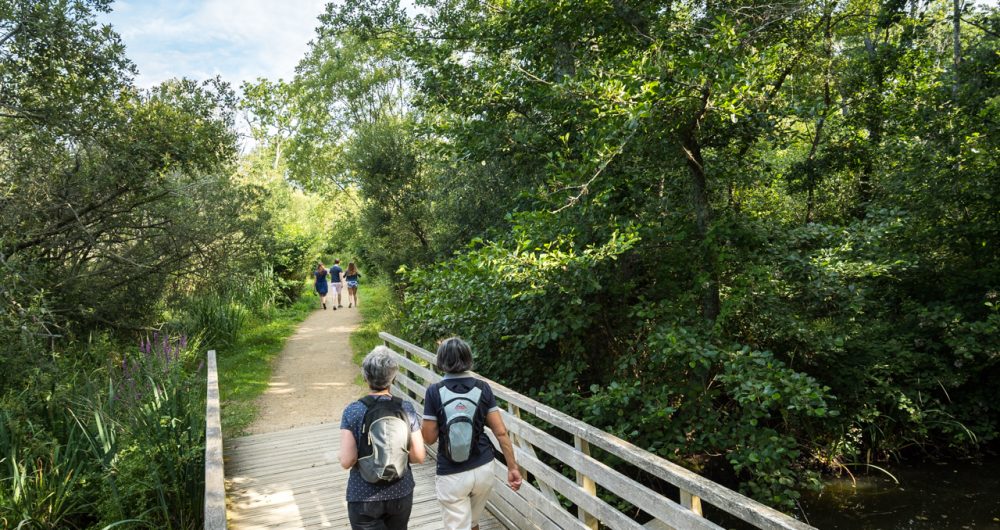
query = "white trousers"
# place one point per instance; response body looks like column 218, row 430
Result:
column 463, row 496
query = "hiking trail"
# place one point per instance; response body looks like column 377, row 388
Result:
column 313, row 378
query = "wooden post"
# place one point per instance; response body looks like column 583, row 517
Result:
column 586, row 483
column 691, row 502
column 215, row 481
column 411, row 375
column 514, row 440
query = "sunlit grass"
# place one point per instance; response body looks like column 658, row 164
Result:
column 379, row 310
column 245, row 368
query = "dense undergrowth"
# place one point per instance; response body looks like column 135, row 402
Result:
column 106, row 433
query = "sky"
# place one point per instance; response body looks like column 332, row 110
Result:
column 240, row 40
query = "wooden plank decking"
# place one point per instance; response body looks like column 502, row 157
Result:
column 292, row 479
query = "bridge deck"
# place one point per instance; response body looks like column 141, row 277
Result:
column 292, row 479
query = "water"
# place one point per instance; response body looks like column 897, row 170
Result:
column 953, row 496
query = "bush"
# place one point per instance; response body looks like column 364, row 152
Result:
column 148, row 433
column 217, row 320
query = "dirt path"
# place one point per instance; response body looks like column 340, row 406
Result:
column 313, row 378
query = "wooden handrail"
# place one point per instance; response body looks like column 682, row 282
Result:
column 215, row 484
column 591, row 474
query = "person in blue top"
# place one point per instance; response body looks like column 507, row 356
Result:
column 337, row 280
column 377, row 506
column 463, row 487
column 321, row 274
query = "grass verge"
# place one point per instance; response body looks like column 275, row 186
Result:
column 245, row 368
column 380, row 313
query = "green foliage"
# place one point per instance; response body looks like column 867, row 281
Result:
column 217, row 320
column 147, row 431
column 42, row 491
column 525, row 304
column 812, row 194
column 121, row 208
column 89, row 443
column 380, row 312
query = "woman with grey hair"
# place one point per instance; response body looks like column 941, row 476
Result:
column 378, row 500
column 456, row 410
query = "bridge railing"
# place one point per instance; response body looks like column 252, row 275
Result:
column 215, row 485
column 562, row 479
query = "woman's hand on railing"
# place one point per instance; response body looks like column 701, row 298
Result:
column 514, row 478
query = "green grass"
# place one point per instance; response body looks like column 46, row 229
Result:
column 245, row 368
column 378, row 314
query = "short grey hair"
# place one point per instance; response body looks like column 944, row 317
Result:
column 454, row 356
column 379, row 368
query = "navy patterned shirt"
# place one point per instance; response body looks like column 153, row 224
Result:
column 358, row 489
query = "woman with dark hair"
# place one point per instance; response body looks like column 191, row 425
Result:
column 382, row 505
column 456, row 410
column 321, row 274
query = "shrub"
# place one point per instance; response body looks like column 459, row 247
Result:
column 217, row 320
column 148, row 433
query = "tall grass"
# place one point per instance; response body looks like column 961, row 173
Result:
column 39, row 492
column 380, row 312
column 217, row 320
column 258, row 292
column 109, row 437
column 124, row 446
column 148, row 433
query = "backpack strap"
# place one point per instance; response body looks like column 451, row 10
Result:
column 368, row 402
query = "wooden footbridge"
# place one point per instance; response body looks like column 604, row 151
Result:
column 576, row 475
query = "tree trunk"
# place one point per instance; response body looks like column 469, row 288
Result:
column 956, row 36
column 710, row 302
column 873, row 122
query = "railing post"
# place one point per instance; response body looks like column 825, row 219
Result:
column 514, row 439
column 586, row 483
column 518, row 442
column 411, row 375
column 215, row 479
column 691, row 502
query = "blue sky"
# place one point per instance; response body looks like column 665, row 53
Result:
column 237, row 39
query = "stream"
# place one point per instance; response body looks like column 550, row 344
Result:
column 946, row 496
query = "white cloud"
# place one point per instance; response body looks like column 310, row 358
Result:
column 237, row 39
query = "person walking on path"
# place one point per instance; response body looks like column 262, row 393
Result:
column 320, row 284
column 456, row 409
column 337, row 280
column 377, row 506
column 352, row 277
